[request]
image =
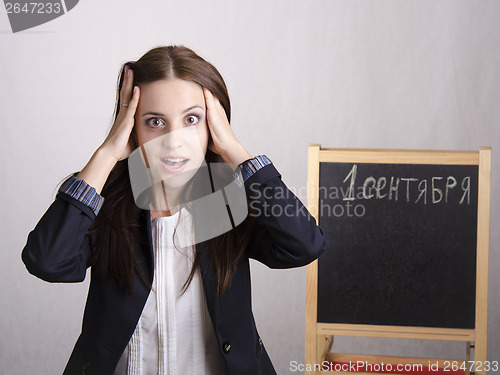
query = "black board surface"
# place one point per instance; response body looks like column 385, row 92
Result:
column 401, row 244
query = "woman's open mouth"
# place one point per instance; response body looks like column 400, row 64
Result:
column 174, row 164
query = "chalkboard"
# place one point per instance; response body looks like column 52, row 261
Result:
column 401, row 244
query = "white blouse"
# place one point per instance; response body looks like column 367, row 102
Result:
column 174, row 334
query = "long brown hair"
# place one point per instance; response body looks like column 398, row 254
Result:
column 117, row 225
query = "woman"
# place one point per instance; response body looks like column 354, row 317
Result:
column 157, row 306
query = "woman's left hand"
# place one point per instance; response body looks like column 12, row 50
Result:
column 224, row 142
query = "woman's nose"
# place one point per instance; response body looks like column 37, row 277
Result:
column 175, row 136
column 172, row 139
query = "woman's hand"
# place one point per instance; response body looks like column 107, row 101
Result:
column 224, row 142
column 119, row 144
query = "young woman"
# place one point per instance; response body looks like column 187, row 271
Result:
column 156, row 304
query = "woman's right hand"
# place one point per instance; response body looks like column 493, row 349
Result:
column 119, row 143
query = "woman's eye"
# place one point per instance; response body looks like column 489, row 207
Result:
column 191, row 120
column 155, row 122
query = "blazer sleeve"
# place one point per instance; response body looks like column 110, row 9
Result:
column 58, row 249
column 286, row 235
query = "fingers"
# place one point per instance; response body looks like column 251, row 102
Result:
column 119, row 142
column 222, row 136
column 127, row 121
column 129, row 96
column 224, row 142
column 132, row 104
column 218, row 124
column 209, row 100
column 213, row 104
column 214, row 119
column 126, row 91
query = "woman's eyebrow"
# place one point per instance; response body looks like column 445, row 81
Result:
column 193, row 107
column 153, row 114
column 163, row 115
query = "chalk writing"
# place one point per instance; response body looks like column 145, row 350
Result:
column 432, row 190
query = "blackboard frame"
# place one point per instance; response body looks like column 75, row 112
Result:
column 319, row 335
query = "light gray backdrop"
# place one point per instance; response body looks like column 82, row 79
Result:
column 375, row 74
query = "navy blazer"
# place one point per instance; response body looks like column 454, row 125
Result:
column 58, row 250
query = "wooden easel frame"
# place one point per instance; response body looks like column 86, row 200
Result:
column 319, row 336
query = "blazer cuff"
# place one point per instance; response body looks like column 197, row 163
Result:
column 82, row 192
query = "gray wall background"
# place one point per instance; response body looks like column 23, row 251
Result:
column 375, row 74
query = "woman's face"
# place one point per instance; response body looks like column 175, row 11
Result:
column 171, row 128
